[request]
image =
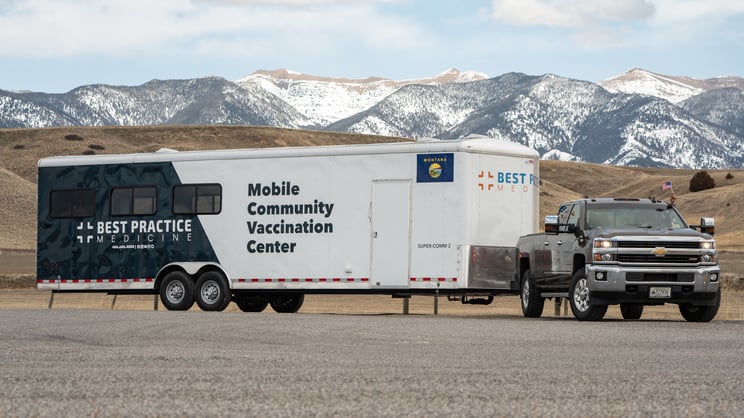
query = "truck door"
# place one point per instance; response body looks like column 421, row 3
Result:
column 391, row 218
column 565, row 245
column 557, row 253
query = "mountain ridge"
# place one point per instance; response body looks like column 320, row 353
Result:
column 561, row 117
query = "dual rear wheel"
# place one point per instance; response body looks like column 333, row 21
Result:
column 211, row 292
column 178, row 292
column 281, row 303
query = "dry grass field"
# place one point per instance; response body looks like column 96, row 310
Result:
column 20, row 149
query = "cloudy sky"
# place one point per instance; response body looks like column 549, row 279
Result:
column 57, row 45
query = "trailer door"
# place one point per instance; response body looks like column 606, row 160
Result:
column 391, row 218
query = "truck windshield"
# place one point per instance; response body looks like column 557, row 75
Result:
column 633, row 216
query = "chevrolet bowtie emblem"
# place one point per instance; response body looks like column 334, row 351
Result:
column 659, row 251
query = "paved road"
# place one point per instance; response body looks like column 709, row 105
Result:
column 128, row 363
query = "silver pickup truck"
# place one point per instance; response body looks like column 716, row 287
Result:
column 632, row 252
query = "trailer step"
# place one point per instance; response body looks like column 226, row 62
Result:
column 554, row 294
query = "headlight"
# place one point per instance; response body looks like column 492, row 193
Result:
column 604, row 257
column 604, row 243
column 708, row 245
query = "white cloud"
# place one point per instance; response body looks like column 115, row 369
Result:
column 690, row 11
column 48, row 28
column 570, row 13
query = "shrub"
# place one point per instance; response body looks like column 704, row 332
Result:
column 701, row 181
column 89, row 152
column 19, row 146
column 96, row 146
column 729, row 176
column 73, row 137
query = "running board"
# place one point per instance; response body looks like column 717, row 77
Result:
column 554, row 294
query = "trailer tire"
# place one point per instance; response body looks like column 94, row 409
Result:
column 532, row 303
column 631, row 310
column 249, row 303
column 211, row 292
column 580, row 300
column 700, row 313
column 177, row 291
column 288, row 303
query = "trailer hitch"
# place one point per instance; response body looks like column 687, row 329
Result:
column 476, row 301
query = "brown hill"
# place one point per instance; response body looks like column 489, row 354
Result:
column 20, row 149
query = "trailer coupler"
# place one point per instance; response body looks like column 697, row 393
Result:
column 472, row 301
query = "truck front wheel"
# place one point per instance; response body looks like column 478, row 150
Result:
column 581, row 305
column 631, row 310
column 532, row 302
column 700, row 313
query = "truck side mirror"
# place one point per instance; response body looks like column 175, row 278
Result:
column 551, row 224
column 708, row 226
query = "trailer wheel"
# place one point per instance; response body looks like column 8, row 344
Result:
column 177, row 291
column 581, row 305
column 212, row 292
column 287, row 303
column 700, row 313
column 248, row 303
column 532, row 302
column 631, row 310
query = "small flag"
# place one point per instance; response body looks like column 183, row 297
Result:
column 667, row 185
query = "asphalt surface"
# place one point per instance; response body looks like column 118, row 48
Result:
column 133, row 363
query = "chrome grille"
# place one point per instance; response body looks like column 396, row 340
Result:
column 653, row 244
column 651, row 258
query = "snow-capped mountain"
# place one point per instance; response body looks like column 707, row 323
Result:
column 672, row 88
column 695, row 124
column 560, row 117
column 210, row 100
column 325, row 100
column 723, row 107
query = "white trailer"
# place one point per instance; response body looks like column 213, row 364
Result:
column 260, row 226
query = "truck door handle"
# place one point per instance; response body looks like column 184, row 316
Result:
column 546, row 243
column 374, row 234
column 559, row 242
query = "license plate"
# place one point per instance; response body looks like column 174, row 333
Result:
column 660, row 292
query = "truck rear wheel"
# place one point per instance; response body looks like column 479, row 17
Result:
column 289, row 303
column 631, row 310
column 581, row 305
column 532, row 302
column 212, row 292
column 177, row 291
column 700, row 313
column 251, row 303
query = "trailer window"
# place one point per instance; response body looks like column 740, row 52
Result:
column 133, row 201
column 77, row 203
column 192, row 199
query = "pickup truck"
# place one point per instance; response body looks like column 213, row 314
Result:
column 631, row 252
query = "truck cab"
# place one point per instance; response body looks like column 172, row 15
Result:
column 631, row 252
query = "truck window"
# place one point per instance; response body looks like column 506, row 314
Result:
column 633, row 216
column 76, row 203
column 568, row 215
column 195, row 199
column 127, row 201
